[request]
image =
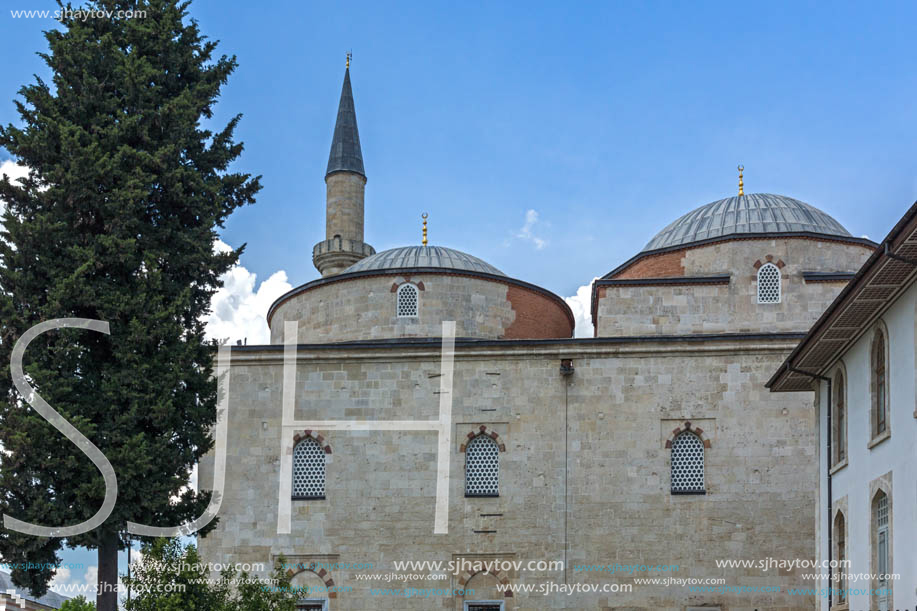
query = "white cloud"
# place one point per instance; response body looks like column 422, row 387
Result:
column 62, row 576
column 91, row 577
column 238, row 310
column 581, row 304
column 527, row 232
column 14, row 171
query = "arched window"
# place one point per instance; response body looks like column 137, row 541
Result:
column 768, row 283
column 482, row 467
column 308, row 470
column 881, row 539
column 687, row 464
column 879, row 385
column 408, row 301
column 840, row 541
column 839, row 433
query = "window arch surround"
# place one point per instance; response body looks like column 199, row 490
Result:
column 688, row 445
column 840, row 554
column 321, row 572
column 879, row 421
column 497, row 575
column 839, row 416
column 881, row 537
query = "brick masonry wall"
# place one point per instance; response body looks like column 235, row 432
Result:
column 733, row 308
column 609, row 477
column 665, row 265
column 536, row 316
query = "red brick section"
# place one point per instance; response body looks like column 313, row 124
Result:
column 499, row 575
column 770, row 259
column 687, row 427
column 664, row 265
column 300, row 435
column 322, row 574
column 482, row 430
column 537, row 316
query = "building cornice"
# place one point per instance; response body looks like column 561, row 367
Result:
column 430, row 348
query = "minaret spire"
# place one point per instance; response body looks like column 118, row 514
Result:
column 346, row 155
column 345, row 180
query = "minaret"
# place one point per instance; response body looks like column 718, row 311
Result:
column 345, row 180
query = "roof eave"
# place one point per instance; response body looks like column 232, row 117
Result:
column 903, row 229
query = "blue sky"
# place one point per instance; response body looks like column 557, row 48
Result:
column 609, row 120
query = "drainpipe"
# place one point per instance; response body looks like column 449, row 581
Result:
column 566, row 370
column 829, row 525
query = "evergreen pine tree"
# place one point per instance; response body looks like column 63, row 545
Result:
column 116, row 222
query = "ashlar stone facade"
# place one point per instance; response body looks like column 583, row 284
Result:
column 582, row 433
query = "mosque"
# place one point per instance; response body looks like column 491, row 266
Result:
column 419, row 405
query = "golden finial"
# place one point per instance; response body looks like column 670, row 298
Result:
column 741, row 168
column 424, row 215
column 349, row 56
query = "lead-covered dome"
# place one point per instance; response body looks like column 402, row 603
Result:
column 408, row 257
column 755, row 213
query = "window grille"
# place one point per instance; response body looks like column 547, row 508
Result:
column 308, row 470
column 882, row 511
column 687, row 463
column 482, row 468
column 408, row 301
column 490, row 605
column 768, row 283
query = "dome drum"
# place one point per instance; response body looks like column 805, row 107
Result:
column 362, row 302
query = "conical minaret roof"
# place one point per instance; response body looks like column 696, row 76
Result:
column 346, row 155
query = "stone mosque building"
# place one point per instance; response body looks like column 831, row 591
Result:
column 655, row 442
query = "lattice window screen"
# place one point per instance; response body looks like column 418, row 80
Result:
column 769, row 284
column 882, row 511
column 408, row 301
column 308, row 470
column 687, row 463
column 482, row 467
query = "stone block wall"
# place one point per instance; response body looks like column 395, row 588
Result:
column 344, row 200
column 584, row 476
